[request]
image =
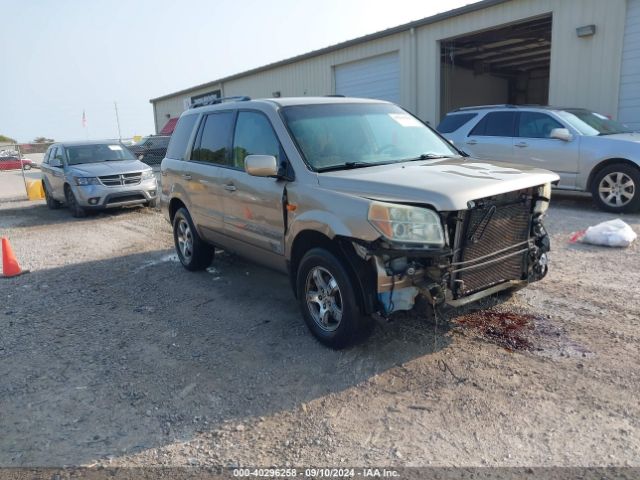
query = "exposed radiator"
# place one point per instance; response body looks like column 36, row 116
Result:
column 494, row 242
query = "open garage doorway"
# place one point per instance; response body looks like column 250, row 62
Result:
column 508, row 64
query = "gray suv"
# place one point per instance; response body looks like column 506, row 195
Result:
column 96, row 175
column 365, row 207
column 590, row 152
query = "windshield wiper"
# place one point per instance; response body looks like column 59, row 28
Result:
column 426, row 156
column 350, row 165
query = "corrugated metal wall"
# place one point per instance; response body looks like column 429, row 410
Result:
column 584, row 71
column 629, row 103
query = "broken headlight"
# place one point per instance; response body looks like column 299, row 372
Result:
column 542, row 202
column 406, row 224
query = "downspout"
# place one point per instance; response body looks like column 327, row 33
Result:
column 414, row 47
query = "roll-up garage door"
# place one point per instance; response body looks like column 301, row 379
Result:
column 629, row 102
column 375, row 77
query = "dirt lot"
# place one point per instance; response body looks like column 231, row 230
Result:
column 112, row 354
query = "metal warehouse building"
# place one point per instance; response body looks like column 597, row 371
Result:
column 583, row 53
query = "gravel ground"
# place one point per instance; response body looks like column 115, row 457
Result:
column 112, row 354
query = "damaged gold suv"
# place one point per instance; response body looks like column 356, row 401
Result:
column 364, row 207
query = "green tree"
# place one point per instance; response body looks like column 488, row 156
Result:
column 5, row 139
column 43, row 140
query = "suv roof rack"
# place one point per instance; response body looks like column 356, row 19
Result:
column 215, row 101
column 501, row 105
column 479, row 107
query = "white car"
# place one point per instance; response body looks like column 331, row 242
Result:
column 589, row 151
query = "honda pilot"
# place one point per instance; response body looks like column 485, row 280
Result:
column 361, row 204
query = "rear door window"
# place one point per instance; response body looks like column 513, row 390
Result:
column 536, row 125
column 451, row 123
column 495, row 124
column 178, row 145
column 213, row 143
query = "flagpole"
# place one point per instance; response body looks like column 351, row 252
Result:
column 84, row 124
column 117, row 121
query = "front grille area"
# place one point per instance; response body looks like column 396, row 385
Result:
column 125, row 198
column 124, row 179
column 494, row 231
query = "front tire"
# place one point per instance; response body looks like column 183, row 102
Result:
column 76, row 210
column 328, row 300
column 52, row 203
column 616, row 188
column 194, row 253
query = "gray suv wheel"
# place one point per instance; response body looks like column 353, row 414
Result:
column 616, row 188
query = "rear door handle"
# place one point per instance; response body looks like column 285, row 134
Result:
column 186, row 176
column 230, row 187
column 472, row 142
column 521, row 145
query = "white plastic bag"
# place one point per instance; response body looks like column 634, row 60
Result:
column 614, row 233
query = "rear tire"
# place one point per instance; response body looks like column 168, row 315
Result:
column 52, row 203
column 26, row 166
column 328, row 300
column 76, row 210
column 616, row 188
column 194, row 253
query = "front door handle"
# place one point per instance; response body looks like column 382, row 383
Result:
column 230, row 187
column 186, row 176
column 472, row 142
column 521, row 145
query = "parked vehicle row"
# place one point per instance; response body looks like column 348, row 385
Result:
column 365, row 207
column 589, row 151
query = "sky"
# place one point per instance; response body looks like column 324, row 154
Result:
column 63, row 57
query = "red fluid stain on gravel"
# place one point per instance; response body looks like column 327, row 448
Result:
column 508, row 329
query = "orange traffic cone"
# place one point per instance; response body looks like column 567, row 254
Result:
column 10, row 266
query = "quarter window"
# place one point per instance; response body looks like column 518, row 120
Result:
column 451, row 123
column 495, row 124
column 180, row 137
column 213, row 144
column 536, row 125
column 254, row 136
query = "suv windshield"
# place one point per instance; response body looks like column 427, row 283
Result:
column 101, row 152
column 348, row 135
column 592, row 123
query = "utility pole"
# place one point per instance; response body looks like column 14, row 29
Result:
column 117, row 121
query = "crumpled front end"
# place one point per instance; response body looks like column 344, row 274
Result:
column 498, row 243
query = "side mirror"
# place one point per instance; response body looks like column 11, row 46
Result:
column 261, row 165
column 561, row 134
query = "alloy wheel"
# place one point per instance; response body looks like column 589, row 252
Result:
column 324, row 299
column 616, row 189
column 185, row 239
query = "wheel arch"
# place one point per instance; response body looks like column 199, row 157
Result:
column 174, row 205
column 361, row 273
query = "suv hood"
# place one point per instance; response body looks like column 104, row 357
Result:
column 109, row 168
column 444, row 184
